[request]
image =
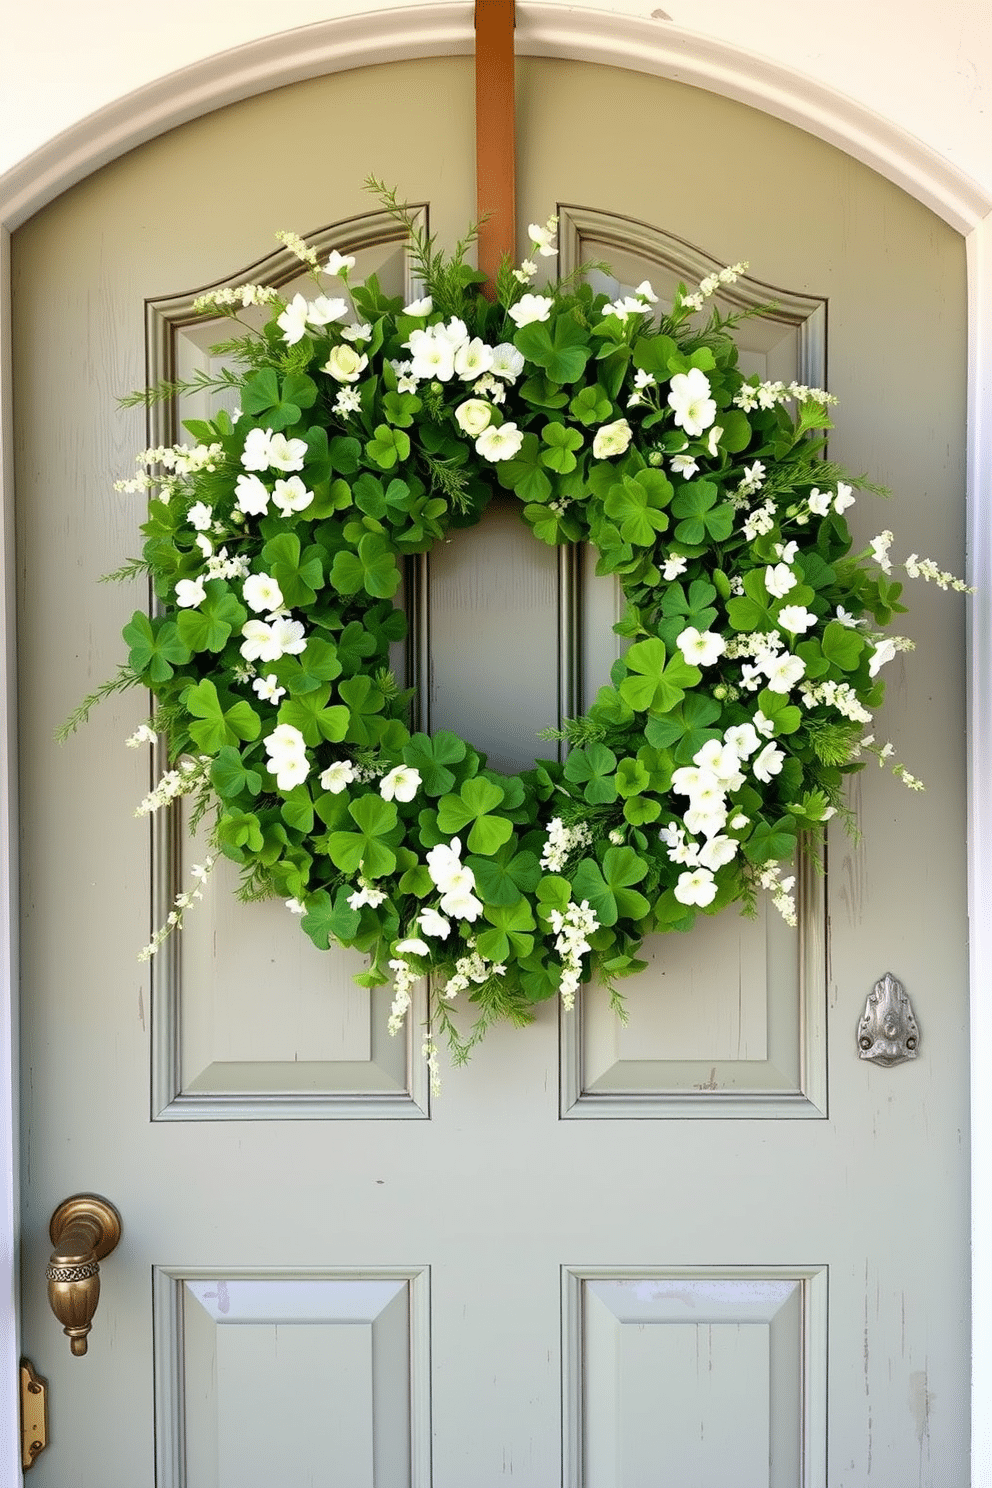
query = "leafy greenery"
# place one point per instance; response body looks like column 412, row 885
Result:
column 276, row 547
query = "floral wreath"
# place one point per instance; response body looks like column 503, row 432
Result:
column 367, row 430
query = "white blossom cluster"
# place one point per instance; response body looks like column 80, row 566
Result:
column 404, row 979
column 839, row 695
column 181, row 781
column 455, row 882
column 768, row 394
column 183, row 901
column 562, row 841
column 297, row 246
column 239, row 296
column 926, row 568
column 176, row 460
column 572, row 926
column 780, row 888
column 709, row 285
column 473, row 968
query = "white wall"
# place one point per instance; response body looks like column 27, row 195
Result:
column 925, row 67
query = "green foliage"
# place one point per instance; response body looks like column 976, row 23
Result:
column 320, row 791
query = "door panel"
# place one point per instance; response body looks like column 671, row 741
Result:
column 487, row 1289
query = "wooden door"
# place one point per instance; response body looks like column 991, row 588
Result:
column 711, row 1248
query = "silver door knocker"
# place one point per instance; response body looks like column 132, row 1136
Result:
column 887, row 1033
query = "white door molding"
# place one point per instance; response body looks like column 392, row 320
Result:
column 644, row 46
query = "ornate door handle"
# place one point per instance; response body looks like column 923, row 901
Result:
column 83, row 1230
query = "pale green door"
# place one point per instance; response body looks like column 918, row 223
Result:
column 714, row 1249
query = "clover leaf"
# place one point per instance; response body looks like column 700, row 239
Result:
column 656, row 684
column 608, row 889
column 562, row 352
column 372, row 568
column 593, row 767
column 217, row 725
column 474, row 803
column 370, row 848
column 209, row 627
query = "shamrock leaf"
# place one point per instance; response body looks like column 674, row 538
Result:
column 608, row 889
column 388, row 447
column 156, row 647
column 512, row 925
column 370, row 847
column 636, row 506
column 503, row 879
column 591, row 406
column 217, row 725
column 326, row 920
column 476, row 800
column 432, row 756
column 209, row 627
column 562, row 442
column 593, row 767
column 299, row 576
column 702, row 520
column 372, row 568
column 315, row 720
column 364, row 701
column 842, row 645
column 655, row 685
column 562, row 351
column 524, row 474
column 231, row 777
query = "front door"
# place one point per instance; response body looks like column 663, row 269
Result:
column 713, row 1248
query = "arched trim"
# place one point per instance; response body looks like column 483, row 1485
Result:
column 543, row 30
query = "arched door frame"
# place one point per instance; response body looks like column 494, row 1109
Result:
column 543, row 30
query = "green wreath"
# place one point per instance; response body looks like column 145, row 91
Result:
column 368, row 430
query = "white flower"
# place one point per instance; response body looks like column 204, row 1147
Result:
column 819, row 502
column 783, row 671
column 531, row 307
column 844, row 617
column 880, row 546
column 287, row 756
column 262, row 593
column 499, row 444
column 611, row 439
column 768, row 763
column 401, row 784
column 722, row 762
column 358, row 331
column 507, row 362
column 685, row 466
column 473, row 359
column 339, row 264
column 884, row 651
column 443, row 861
column 764, row 726
column 268, row 688
column 418, row 308
column 473, row 416
column 697, row 887
column 541, row 239
column 462, row 904
column 252, row 496
column 142, row 735
column 291, row 495
column 700, row 649
column 204, row 544
column 690, row 398
column 413, row 946
column 349, row 400
column 255, row 455
column 337, row 776
column 742, row 738
column 673, row 565
column 796, row 619
column 713, row 441
column 787, row 551
column 779, row 579
column 525, row 273
column 366, row 893
column 345, row 364
column 257, row 644
column 432, row 923
column 285, row 454
column 190, row 593
column 844, row 497
column 322, row 311
column 432, row 355
column 717, row 851
column 645, row 292
column 288, row 635
column 293, row 320
column 284, row 742
column 200, row 516
column 295, row 907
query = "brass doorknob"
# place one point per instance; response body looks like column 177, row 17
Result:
column 83, row 1230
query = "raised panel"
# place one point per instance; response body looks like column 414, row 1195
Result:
column 700, row 1378
column 730, row 1019
column 250, row 1020
column 292, row 1378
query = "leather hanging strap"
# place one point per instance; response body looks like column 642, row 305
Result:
column 495, row 149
